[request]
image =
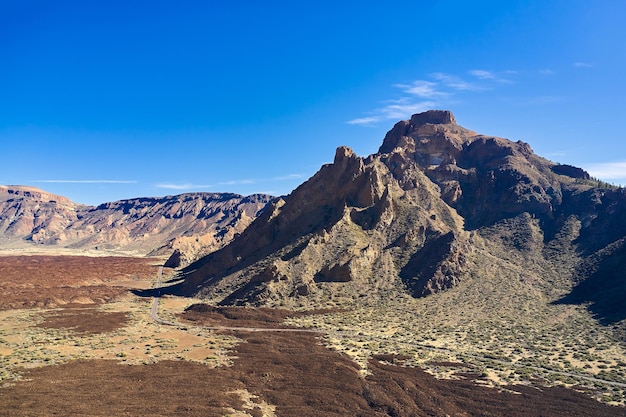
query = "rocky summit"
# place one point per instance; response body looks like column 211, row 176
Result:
column 189, row 225
column 438, row 204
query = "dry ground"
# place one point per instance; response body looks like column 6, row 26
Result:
column 107, row 358
column 50, row 281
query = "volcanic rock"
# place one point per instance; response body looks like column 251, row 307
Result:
column 437, row 204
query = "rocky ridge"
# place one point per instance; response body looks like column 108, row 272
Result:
column 191, row 224
column 438, row 204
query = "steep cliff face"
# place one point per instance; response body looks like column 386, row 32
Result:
column 352, row 226
column 484, row 178
column 436, row 204
column 25, row 211
column 194, row 223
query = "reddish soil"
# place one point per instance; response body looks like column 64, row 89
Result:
column 400, row 391
column 84, row 319
column 107, row 388
column 208, row 315
column 47, row 281
column 292, row 371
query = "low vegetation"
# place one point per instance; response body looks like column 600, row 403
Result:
column 508, row 337
column 391, row 356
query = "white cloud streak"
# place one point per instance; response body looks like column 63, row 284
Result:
column 417, row 96
column 424, row 94
column 491, row 76
column 237, row 182
column 608, row 170
column 483, row 75
column 192, row 186
column 455, row 82
column 401, row 110
column 88, row 181
column 364, row 121
column 396, row 109
column 185, row 186
column 287, row 177
column 422, row 88
column 261, row 180
column 557, row 154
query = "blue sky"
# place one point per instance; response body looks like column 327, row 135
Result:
column 105, row 100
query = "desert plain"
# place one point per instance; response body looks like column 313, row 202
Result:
column 77, row 338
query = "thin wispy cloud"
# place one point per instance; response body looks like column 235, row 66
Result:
column 482, row 74
column 608, row 170
column 88, row 181
column 261, row 180
column 237, row 182
column 422, row 88
column 456, row 83
column 180, row 187
column 583, row 64
column 287, row 177
column 421, row 95
column 557, row 154
column 247, row 181
column 439, row 90
column 546, row 71
column 400, row 109
column 492, row 76
column 364, row 120
column 393, row 110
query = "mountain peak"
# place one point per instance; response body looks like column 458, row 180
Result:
column 437, row 205
column 435, row 117
column 343, row 152
column 432, row 123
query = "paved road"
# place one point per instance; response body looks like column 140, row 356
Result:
column 154, row 313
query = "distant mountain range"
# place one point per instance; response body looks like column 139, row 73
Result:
column 436, row 205
column 193, row 223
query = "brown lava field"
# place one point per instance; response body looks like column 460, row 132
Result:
column 269, row 373
column 48, row 281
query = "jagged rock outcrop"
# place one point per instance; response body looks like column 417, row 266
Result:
column 193, row 224
column 355, row 223
column 436, row 204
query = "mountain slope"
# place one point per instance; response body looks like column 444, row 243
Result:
column 25, row 211
column 438, row 204
column 193, row 223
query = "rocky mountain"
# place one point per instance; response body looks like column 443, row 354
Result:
column 191, row 224
column 26, row 211
column 436, row 205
